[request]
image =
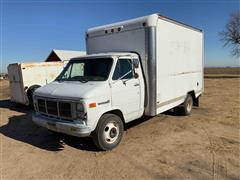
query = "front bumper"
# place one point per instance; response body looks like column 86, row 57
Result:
column 70, row 128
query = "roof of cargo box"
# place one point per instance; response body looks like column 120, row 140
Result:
column 107, row 54
column 63, row 55
column 145, row 21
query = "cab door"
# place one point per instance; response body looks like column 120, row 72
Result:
column 126, row 89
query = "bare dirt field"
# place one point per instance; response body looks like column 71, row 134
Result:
column 223, row 70
column 204, row 145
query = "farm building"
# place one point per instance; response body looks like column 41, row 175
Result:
column 63, row 55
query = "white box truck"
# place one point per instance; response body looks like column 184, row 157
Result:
column 24, row 78
column 143, row 66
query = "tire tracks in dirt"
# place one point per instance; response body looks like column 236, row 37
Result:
column 215, row 162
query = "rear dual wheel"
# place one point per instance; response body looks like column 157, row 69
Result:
column 187, row 105
column 109, row 132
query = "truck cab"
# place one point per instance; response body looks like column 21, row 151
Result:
column 94, row 95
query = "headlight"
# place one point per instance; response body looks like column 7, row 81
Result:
column 80, row 110
column 80, row 107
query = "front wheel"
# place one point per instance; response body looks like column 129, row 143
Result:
column 109, row 132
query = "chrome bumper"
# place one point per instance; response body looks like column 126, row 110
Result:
column 70, row 128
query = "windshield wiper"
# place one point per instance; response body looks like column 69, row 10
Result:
column 59, row 80
column 83, row 81
column 62, row 80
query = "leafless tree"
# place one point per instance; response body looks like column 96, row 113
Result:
column 231, row 36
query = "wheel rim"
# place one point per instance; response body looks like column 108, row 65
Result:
column 189, row 105
column 111, row 132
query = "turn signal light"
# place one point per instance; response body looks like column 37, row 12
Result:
column 92, row 105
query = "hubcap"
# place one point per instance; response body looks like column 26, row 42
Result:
column 111, row 132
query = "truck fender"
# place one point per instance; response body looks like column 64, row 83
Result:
column 117, row 112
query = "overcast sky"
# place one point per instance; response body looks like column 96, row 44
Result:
column 31, row 29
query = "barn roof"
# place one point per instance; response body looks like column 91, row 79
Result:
column 64, row 55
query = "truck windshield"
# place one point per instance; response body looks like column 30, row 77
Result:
column 86, row 70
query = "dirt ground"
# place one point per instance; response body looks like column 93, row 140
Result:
column 204, row 145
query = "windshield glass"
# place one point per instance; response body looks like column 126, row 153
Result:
column 86, row 70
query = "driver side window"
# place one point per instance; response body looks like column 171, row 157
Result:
column 123, row 67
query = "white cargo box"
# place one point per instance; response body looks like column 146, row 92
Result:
column 171, row 56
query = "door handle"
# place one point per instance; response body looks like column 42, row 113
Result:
column 136, row 84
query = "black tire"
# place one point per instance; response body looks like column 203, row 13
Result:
column 187, row 105
column 108, row 132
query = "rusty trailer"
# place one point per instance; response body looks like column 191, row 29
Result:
column 24, row 78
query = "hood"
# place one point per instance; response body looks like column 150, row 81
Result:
column 73, row 90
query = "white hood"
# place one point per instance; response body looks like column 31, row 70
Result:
column 73, row 90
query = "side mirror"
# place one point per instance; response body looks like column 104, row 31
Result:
column 135, row 63
column 136, row 75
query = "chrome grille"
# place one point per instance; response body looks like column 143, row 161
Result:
column 41, row 105
column 55, row 108
column 64, row 109
column 52, row 108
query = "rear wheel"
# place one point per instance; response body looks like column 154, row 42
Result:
column 187, row 105
column 109, row 131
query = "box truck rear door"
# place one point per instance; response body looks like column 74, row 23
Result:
column 16, row 84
